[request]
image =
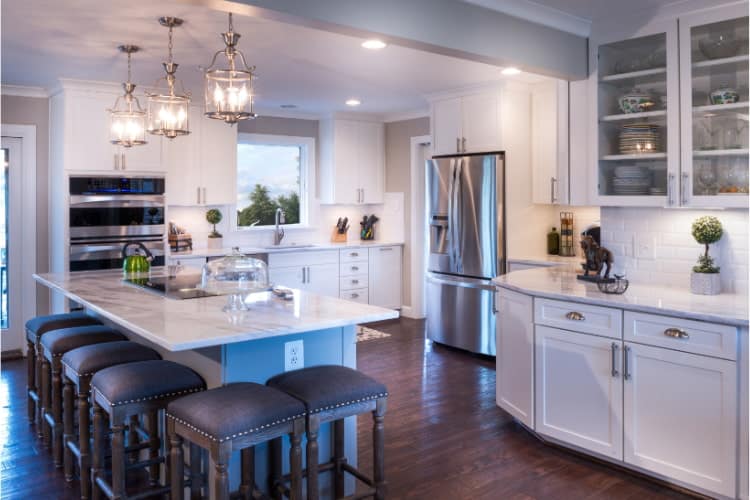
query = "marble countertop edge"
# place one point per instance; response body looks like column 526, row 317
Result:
column 214, row 252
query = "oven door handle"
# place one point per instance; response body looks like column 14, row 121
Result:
column 106, row 201
column 77, row 249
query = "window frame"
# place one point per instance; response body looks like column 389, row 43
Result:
column 306, row 176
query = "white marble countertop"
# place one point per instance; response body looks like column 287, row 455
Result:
column 560, row 282
column 178, row 325
column 302, row 247
column 546, row 260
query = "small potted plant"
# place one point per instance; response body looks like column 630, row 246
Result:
column 706, row 279
column 215, row 239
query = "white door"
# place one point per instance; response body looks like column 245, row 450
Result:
column 446, row 126
column 515, row 355
column 11, row 318
column 346, row 162
column 371, row 161
column 290, row 277
column 385, row 277
column 181, row 157
column 218, row 158
column 322, row 279
column 480, row 122
column 145, row 158
column 88, row 123
column 579, row 390
column 681, row 416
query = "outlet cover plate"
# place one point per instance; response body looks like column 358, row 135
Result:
column 294, row 355
column 645, row 247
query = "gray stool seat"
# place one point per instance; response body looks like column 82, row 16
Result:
column 58, row 342
column 234, row 410
column 36, row 327
column 327, row 387
column 89, row 359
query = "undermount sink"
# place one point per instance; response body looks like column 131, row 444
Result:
column 286, row 247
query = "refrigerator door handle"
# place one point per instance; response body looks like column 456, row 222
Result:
column 456, row 215
column 452, row 180
column 465, row 283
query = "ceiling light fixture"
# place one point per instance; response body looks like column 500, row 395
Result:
column 353, row 102
column 374, row 44
column 126, row 118
column 168, row 110
column 229, row 90
column 510, row 70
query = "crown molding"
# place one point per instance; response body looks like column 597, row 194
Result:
column 466, row 90
column 285, row 113
column 539, row 14
column 86, row 85
column 23, row 91
column 406, row 115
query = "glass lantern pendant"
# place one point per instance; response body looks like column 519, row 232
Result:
column 229, row 90
column 168, row 109
column 127, row 119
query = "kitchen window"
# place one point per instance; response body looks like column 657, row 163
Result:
column 273, row 171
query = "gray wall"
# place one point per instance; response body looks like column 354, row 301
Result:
column 280, row 126
column 398, row 179
column 17, row 110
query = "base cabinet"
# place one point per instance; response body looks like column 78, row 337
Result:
column 385, row 277
column 579, row 390
column 681, row 416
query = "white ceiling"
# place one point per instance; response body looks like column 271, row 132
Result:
column 43, row 40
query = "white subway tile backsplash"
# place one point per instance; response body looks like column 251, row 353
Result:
column 675, row 249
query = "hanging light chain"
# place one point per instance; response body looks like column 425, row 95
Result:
column 231, row 25
column 170, row 45
column 129, row 56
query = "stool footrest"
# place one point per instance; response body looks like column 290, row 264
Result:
column 107, row 490
column 145, row 463
column 356, row 473
column 136, row 447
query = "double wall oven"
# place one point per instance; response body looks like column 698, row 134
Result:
column 108, row 212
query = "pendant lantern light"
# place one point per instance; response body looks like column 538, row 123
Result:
column 127, row 118
column 168, row 109
column 229, row 87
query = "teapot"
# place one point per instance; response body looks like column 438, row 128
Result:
column 140, row 262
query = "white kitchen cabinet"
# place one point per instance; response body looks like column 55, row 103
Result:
column 681, row 416
column 469, row 123
column 579, row 390
column 314, row 271
column 290, row 277
column 385, row 276
column 183, row 166
column 352, row 162
column 515, row 355
column 549, row 142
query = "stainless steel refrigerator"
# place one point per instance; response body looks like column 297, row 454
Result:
column 466, row 220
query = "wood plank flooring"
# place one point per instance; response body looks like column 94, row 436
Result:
column 445, row 437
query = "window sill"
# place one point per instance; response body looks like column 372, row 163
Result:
column 285, row 227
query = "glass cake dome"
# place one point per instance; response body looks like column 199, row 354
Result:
column 235, row 275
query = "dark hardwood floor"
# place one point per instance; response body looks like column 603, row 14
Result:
column 445, row 437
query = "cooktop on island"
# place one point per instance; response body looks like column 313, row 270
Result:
column 179, row 287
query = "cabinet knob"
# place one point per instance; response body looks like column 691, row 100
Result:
column 676, row 333
column 355, row 282
column 575, row 316
column 355, row 295
column 355, row 268
column 354, row 254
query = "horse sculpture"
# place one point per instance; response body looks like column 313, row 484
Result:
column 596, row 257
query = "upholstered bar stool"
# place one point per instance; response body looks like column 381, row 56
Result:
column 35, row 328
column 79, row 366
column 54, row 345
column 330, row 394
column 234, row 417
column 140, row 388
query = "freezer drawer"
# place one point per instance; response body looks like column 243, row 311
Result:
column 461, row 313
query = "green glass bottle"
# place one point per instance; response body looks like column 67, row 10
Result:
column 553, row 242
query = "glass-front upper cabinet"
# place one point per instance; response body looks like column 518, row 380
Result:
column 714, row 94
column 637, row 147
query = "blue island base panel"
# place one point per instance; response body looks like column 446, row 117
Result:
column 259, row 360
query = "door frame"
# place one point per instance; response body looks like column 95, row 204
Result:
column 27, row 134
column 417, row 237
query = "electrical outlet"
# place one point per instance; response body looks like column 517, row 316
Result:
column 294, row 355
column 645, row 247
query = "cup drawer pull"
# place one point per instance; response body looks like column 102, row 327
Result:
column 355, row 295
column 355, row 268
column 575, row 316
column 354, row 282
column 676, row 333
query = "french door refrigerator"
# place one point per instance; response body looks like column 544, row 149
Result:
column 466, row 221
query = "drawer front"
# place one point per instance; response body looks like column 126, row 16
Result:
column 352, row 268
column 681, row 334
column 356, row 295
column 353, row 282
column 354, row 255
column 302, row 258
column 577, row 317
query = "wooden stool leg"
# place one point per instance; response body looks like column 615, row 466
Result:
column 313, row 425
column 68, row 431
column 275, row 485
column 247, row 482
column 97, row 458
column 196, row 472
column 83, row 444
column 176, row 463
column 134, row 438
column 31, row 379
column 220, row 459
column 38, row 378
column 339, row 457
column 56, row 395
column 45, row 375
column 154, row 445
column 295, row 460
column 118, row 461
column 378, row 448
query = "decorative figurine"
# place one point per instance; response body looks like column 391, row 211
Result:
column 596, row 258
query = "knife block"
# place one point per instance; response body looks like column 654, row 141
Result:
column 336, row 237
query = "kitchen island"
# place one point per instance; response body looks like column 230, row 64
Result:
column 225, row 347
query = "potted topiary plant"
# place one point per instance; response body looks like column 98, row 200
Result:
column 706, row 279
column 215, row 239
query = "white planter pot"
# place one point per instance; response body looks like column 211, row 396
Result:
column 705, row 283
column 215, row 243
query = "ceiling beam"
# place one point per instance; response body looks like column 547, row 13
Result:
column 447, row 27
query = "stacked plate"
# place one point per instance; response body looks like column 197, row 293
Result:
column 638, row 138
column 631, row 180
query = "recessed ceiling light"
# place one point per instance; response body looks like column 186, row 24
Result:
column 353, row 102
column 374, row 44
column 288, row 106
column 510, row 70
